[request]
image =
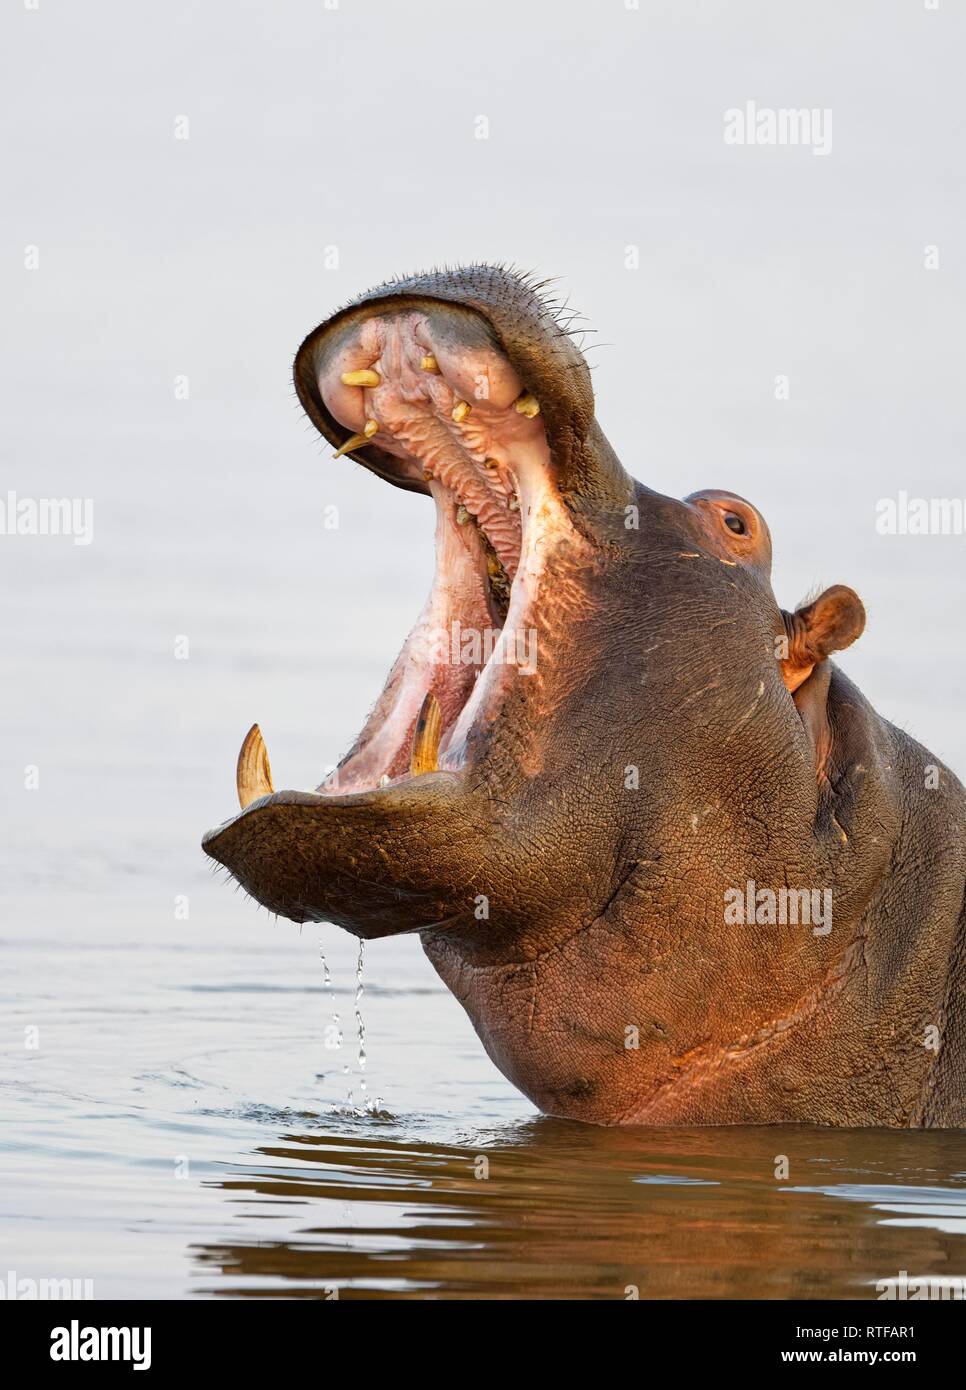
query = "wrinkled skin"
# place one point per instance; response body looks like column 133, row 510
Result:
column 568, row 865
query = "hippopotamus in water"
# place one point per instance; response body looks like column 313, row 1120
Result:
column 669, row 859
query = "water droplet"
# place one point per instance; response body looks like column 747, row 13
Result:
column 360, row 1022
column 328, row 996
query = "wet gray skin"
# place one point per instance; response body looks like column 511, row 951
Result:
column 574, row 844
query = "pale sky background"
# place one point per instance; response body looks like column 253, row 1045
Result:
column 355, row 128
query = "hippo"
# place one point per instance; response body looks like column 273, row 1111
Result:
column 672, row 863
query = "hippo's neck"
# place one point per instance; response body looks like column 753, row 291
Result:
column 618, row 1022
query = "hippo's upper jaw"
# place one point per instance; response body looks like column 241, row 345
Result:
column 601, row 735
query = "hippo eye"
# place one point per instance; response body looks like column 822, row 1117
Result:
column 734, row 523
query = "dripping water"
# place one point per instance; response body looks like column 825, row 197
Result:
column 333, row 1029
column 360, row 1023
column 335, row 1037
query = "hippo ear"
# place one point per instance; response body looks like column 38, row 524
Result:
column 828, row 624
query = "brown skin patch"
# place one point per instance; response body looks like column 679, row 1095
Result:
column 811, row 701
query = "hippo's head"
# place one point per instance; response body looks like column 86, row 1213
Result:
column 602, row 733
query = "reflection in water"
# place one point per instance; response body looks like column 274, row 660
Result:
column 552, row 1209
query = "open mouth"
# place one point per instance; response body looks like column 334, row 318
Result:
column 464, row 385
column 439, row 408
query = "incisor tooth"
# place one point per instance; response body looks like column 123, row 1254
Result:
column 371, row 428
column 354, row 441
column 527, row 405
column 424, row 756
column 462, row 515
column 365, row 377
column 253, row 776
column 460, row 410
column 429, row 363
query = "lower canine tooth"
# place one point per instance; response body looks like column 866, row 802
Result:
column 460, row 411
column 355, row 441
column 253, row 776
column 527, row 405
column 425, row 750
column 367, row 377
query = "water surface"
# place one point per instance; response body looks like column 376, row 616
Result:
column 182, row 1129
